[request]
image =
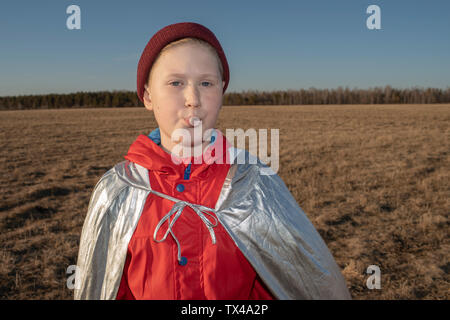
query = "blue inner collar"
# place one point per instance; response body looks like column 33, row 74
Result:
column 155, row 135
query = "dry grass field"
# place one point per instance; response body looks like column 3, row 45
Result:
column 373, row 179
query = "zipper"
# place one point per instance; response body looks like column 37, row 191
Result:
column 187, row 172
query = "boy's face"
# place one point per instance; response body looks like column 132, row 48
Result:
column 184, row 82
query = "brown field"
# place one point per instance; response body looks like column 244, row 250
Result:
column 373, row 179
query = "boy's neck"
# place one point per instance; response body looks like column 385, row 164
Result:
column 195, row 151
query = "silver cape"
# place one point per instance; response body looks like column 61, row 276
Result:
column 257, row 210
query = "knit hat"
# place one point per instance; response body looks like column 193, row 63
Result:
column 169, row 34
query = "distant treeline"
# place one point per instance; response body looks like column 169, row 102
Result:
column 118, row 99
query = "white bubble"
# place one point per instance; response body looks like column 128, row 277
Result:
column 195, row 121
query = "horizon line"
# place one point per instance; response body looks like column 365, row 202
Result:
column 240, row 92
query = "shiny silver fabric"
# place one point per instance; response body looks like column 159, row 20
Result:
column 114, row 210
column 257, row 210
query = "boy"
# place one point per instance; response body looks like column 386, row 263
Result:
column 234, row 233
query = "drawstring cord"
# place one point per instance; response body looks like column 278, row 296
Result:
column 176, row 210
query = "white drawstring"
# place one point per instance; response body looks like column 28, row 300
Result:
column 177, row 209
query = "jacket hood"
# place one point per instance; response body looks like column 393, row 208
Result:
column 147, row 152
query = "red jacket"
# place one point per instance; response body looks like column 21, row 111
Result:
column 210, row 271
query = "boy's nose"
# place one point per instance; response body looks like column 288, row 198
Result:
column 192, row 96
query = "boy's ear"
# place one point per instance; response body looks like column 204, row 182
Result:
column 147, row 99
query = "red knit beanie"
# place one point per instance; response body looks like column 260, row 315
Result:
column 169, row 34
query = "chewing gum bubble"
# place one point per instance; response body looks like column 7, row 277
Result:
column 194, row 121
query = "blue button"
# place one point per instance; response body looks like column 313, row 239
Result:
column 183, row 261
column 180, row 188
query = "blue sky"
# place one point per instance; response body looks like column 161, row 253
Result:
column 270, row 45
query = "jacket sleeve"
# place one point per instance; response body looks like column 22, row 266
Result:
column 95, row 234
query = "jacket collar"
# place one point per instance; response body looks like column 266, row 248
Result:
column 147, row 152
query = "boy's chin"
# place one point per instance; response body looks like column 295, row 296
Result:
column 192, row 144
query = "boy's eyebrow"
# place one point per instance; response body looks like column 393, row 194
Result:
column 182, row 75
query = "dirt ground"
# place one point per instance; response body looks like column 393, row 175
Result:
column 373, row 179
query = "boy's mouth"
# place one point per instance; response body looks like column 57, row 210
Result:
column 193, row 121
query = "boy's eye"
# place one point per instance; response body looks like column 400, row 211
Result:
column 177, row 83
